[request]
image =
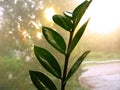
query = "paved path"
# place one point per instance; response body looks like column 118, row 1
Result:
column 101, row 76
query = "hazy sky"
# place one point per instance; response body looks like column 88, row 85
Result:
column 105, row 16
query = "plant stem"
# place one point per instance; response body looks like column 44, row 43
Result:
column 63, row 83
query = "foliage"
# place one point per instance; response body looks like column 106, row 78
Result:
column 13, row 74
column 69, row 22
column 17, row 24
column 15, row 48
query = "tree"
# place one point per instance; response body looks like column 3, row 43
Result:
column 19, row 21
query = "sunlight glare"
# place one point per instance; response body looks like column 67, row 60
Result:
column 49, row 12
column 104, row 16
column 39, row 35
column 1, row 11
column 36, row 24
column 25, row 34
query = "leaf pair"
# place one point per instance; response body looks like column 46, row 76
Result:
column 77, row 13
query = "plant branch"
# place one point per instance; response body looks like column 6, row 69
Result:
column 66, row 63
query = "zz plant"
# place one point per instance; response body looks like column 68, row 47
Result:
column 69, row 21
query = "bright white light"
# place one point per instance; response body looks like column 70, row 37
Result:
column 1, row 11
column 36, row 24
column 24, row 34
column 104, row 16
column 49, row 12
column 39, row 35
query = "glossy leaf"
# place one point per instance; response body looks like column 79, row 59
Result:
column 68, row 14
column 76, row 65
column 79, row 12
column 62, row 21
column 41, row 81
column 77, row 37
column 48, row 61
column 54, row 38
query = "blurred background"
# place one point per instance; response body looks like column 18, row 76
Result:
column 20, row 29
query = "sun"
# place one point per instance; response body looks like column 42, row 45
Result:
column 49, row 12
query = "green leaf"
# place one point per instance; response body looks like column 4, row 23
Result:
column 76, row 65
column 79, row 12
column 77, row 37
column 62, row 21
column 68, row 14
column 48, row 61
column 55, row 39
column 41, row 81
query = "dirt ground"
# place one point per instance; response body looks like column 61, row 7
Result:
column 101, row 76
